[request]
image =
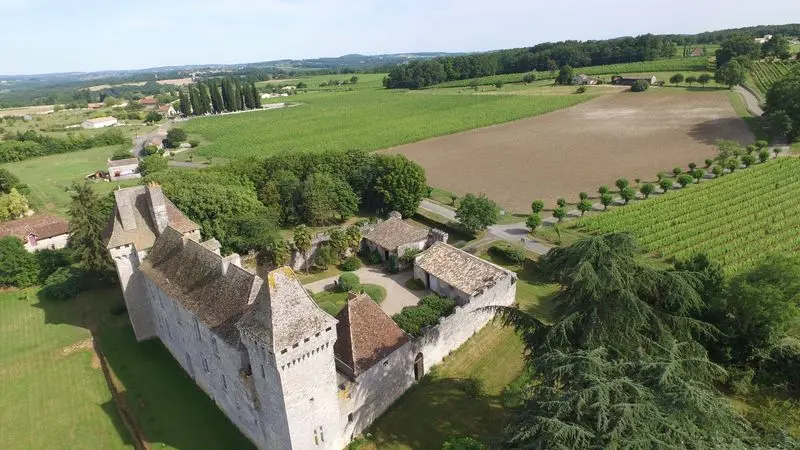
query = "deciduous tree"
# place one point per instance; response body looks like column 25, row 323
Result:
column 647, row 189
column 665, row 184
column 685, row 180
column 560, row 213
column 622, row 183
column 477, row 212
column 17, row 266
column 783, row 106
column 606, row 200
column 676, row 79
column 584, row 206
column 400, row 184
column 533, row 221
column 628, row 194
column 302, row 240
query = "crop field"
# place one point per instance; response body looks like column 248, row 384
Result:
column 365, row 81
column 367, row 119
column 52, row 391
column 580, row 148
column 764, row 73
column 49, row 176
column 735, row 220
column 692, row 64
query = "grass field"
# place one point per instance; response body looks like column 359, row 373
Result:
column 49, row 176
column 368, row 120
column 439, row 407
column 365, row 81
column 735, row 220
column 333, row 301
column 52, row 391
column 699, row 63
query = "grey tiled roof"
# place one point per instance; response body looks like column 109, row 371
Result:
column 459, row 269
column 142, row 233
column 394, row 232
column 287, row 315
column 193, row 275
column 123, row 162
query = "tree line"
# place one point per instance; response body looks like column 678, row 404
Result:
column 219, row 95
column 30, row 144
column 541, row 57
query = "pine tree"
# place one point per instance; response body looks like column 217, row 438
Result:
column 185, row 105
column 86, row 225
column 256, row 96
column 216, row 97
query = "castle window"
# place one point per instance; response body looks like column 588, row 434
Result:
column 306, row 339
column 386, row 363
column 296, row 344
column 263, row 374
column 214, row 346
column 197, row 328
column 316, row 437
column 205, row 365
column 177, row 313
column 224, row 382
column 350, row 417
column 321, row 435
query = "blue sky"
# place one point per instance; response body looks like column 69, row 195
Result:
column 39, row 36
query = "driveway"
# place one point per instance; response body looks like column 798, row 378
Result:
column 397, row 295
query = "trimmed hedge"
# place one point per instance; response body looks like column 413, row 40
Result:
column 412, row 319
column 514, row 254
column 349, row 281
column 351, row 264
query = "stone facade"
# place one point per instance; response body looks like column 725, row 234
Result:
column 260, row 347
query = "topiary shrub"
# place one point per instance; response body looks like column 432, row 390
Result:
column 349, row 281
column 351, row 264
column 640, row 86
column 413, row 318
column 64, row 284
column 375, row 292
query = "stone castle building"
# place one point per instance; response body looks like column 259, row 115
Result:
column 286, row 373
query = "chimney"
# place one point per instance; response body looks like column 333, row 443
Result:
column 158, row 207
column 436, row 235
column 226, row 261
column 125, row 207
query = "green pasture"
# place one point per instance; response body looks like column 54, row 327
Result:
column 52, row 393
column 699, row 63
column 49, row 176
column 367, row 120
column 365, row 81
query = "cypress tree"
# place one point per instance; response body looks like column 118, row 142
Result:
column 197, row 110
column 237, row 95
column 228, row 95
column 186, row 106
column 216, row 98
column 256, row 96
column 247, row 93
column 205, row 98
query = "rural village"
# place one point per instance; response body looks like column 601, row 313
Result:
column 579, row 244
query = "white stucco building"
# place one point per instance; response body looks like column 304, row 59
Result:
column 100, row 122
column 392, row 237
column 286, row 373
column 123, row 169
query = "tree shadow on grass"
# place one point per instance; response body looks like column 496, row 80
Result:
column 710, row 131
column 436, row 409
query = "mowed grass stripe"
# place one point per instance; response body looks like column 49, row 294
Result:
column 368, row 120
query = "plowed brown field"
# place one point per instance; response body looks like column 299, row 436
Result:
column 580, row 148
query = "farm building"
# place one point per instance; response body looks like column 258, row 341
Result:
column 100, row 122
column 584, row 80
column 38, row 232
column 123, row 169
column 167, row 110
column 97, row 105
column 629, row 81
column 149, row 102
column 392, row 237
column 764, row 39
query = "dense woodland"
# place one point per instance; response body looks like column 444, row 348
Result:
column 30, row 144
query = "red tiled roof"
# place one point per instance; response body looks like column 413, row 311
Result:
column 365, row 334
column 149, row 101
column 42, row 225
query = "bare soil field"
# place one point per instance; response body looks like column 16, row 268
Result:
column 42, row 109
column 580, row 148
column 172, row 82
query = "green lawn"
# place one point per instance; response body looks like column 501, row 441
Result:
column 366, row 119
column 333, row 301
column 49, row 176
column 365, row 81
column 441, row 406
column 52, row 392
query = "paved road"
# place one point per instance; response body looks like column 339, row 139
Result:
column 515, row 233
column 139, row 141
column 397, row 296
column 750, row 100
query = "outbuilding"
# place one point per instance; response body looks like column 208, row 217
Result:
column 100, row 122
column 38, row 232
column 392, row 237
column 123, row 169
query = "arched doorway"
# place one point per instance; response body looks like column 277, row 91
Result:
column 419, row 367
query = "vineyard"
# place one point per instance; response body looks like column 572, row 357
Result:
column 766, row 73
column 735, row 219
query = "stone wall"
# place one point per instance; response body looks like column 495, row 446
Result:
column 131, row 281
column 366, row 398
column 215, row 365
column 51, row 243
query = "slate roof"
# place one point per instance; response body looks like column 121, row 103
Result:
column 394, row 232
column 123, row 162
column 193, row 275
column 286, row 315
column 459, row 269
column 42, row 225
column 142, row 233
column 365, row 333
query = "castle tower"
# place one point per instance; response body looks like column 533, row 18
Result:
column 290, row 343
column 140, row 215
